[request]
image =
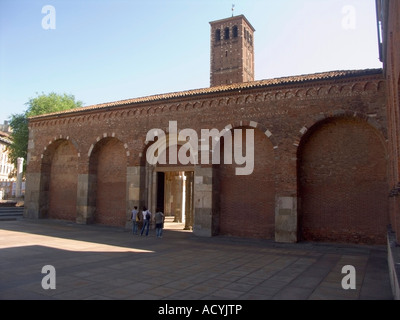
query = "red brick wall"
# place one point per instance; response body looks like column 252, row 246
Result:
column 343, row 189
column 63, row 182
column 247, row 203
column 283, row 113
column 110, row 165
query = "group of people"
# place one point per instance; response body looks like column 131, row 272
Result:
column 146, row 216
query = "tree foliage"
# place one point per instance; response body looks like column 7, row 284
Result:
column 40, row 105
column 44, row 104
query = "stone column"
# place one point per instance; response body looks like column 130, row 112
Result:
column 178, row 197
column 189, row 201
column 286, row 219
column 151, row 189
column 33, row 181
column 203, row 201
column 133, row 191
column 20, row 169
column 86, row 198
column 32, row 196
column 286, row 199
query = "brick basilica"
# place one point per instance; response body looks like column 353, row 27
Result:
column 322, row 168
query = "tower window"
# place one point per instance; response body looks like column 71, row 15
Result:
column 218, row 35
column 235, row 31
column 226, row 34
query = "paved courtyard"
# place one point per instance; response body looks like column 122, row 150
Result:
column 98, row 262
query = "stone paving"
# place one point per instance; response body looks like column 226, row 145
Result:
column 97, row 262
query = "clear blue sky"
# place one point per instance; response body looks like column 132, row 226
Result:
column 108, row 50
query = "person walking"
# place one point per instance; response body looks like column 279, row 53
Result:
column 135, row 220
column 146, row 220
column 159, row 218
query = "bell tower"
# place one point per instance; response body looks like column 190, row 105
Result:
column 232, row 51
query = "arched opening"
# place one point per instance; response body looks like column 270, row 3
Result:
column 247, row 202
column 59, row 181
column 218, row 35
column 107, row 169
column 226, row 34
column 171, row 186
column 342, row 176
column 235, row 31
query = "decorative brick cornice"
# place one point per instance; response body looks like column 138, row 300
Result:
column 316, row 86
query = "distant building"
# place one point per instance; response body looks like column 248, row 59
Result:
column 6, row 167
column 5, row 128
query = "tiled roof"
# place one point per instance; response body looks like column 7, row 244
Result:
column 332, row 75
column 5, row 140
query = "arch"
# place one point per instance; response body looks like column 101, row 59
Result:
column 371, row 86
column 340, row 114
column 255, row 125
column 171, row 179
column 333, row 90
column 381, row 86
column 59, row 180
column 259, row 98
column 358, row 87
column 300, row 93
column 345, row 89
column 289, row 94
column 218, row 35
column 226, row 33
column 312, row 92
column 247, row 203
column 342, row 182
column 235, row 31
column 107, row 181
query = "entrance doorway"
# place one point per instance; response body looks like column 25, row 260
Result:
column 175, row 197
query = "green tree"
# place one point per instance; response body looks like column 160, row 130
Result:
column 40, row 105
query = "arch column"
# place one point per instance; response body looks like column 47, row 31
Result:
column 86, row 204
column 32, row 195
column 151, row 188
column 133, row 179
column 206, row 215
column 286, row 200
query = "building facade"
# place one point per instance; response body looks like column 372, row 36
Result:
column 389, row 30
column 315, row 146
column 7, row 183
column 388, row 17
